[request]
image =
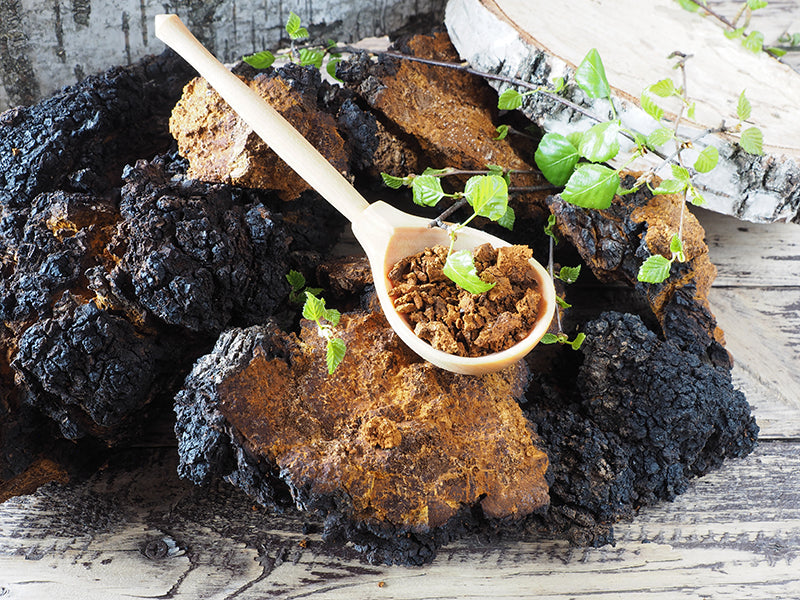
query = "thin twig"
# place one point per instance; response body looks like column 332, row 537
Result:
column 721, row 18
column 439, row 221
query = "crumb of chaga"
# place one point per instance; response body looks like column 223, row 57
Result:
column 398, row 454
column 221, row 147
column 80, row 138
column 88, row 370
column 453, row 320
column 650, row 416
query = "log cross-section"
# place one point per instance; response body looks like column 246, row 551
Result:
column 538, row 41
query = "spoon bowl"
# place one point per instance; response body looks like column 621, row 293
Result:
column 386, row 234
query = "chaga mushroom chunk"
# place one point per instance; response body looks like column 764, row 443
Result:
column 80, row 138
column 222, row 148
column 46, row 249
column 198, row 255
column 391, row 448
column 647, row 416
column 85, row 368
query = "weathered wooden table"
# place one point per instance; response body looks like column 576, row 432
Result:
column 135, row 530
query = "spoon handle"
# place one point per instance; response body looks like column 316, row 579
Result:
column 270, row 126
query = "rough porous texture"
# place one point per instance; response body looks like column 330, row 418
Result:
column 455, row 321
column 396, row 449
column 115, row 279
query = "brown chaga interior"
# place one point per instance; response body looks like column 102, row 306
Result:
column 119, row 272
column 396, row 444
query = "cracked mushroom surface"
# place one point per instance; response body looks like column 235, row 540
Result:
column 388, row 440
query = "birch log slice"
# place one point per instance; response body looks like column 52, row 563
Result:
column 538, row 41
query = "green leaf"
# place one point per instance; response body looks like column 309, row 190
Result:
column 696, row 198
column 752, row 141
column 432, row 171
column 670, row 186
column 743, row 107
column 776, row 52
column 260, row 60
column 574, row 138
column 659, row 137
column 548, row 229
column 756, row 4
column 550, row 338
column 563, row 303
column 510, row 99
column 754, row 42
column 427, row 190
column 691, row 110
column 569, row 274
column 655, row 269
column 395, row 182
column 488, row 196
column 680, row 173
column 676, row 247
column 335, row 354
column 649, row 105
column 663, row 88
column 591, row 76
column 502, row 132
column 311, row 56
column 578, row 341
column 558, row 84
column 330, row 68
column 332, row 316
column 296, row 280
column 294, row 29
column 508, row 219
column 556, row 157
column 460, row 268
column 736, row 33
column 314, row 308
column 707, row 159
column 591, row 186
column 688, row 5
column 600, row 142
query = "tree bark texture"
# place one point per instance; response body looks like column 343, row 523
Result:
column 539, row 41
column 46, row 44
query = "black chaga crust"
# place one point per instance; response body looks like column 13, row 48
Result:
column 195, row 255
column 641, row 418
column 208, row 449
column 80, row 138
column 115, row 278
column 183, row 260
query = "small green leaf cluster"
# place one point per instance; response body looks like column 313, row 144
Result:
column 753, row 40
column 563, row 338
column 588, row 184
column 326, row 319
column 488, row 197
column 792, row 40
column 297, row 281
column 303, row 56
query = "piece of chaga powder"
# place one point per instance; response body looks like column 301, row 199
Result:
column 455, row 321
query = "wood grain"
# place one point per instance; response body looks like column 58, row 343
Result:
column 735, row 533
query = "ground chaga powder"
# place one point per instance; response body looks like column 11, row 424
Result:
column 455, row 321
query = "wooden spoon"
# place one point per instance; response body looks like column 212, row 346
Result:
column 386, row 234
